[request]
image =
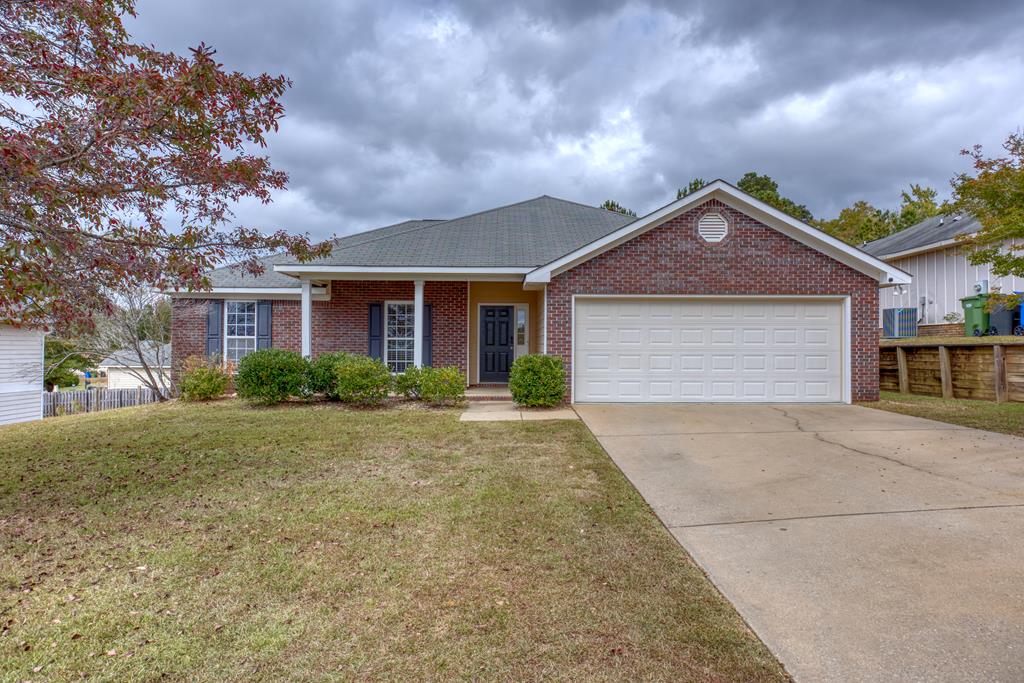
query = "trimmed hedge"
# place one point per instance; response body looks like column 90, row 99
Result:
column 408, row 383
column 202, row 379
column 440, row 386
column 271, row 376
column 536, row 380
column 362, row 380
column 322, row 377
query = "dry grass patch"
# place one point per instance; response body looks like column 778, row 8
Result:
column 217, row 542
column 1007, row 418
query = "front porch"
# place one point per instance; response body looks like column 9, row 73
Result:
column 479, row 326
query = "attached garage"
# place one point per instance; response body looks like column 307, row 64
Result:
column 710, row 349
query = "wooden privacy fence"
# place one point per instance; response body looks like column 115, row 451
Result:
column 989, row 372
column 71, row 402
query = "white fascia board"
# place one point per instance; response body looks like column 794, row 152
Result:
column 402, row 272
column 250, row 293
column 741, row 201
column 935, row 246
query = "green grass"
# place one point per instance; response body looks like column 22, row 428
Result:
column 1007, row 418
column 309, row 542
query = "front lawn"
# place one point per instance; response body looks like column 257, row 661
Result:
column 221, row 542
column 1007, row 418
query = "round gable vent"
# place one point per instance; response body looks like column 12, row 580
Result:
column 712, row 227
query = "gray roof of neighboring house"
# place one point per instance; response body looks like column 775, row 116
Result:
column 926, row 233
column 523, row 235
column 126, row 358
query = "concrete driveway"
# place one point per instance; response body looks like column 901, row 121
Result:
column 860, row 545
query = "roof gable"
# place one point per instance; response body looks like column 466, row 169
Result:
column 741, row 201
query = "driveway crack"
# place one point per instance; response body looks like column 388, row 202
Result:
column 794, row 418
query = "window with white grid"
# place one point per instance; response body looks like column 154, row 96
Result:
column 399, row 328
column 239, row 329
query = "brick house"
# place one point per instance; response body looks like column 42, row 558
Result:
column 714, row 297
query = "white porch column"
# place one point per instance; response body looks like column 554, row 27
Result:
column 417, row 353
column 307, row 318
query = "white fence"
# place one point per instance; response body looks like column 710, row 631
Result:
column 71, row 402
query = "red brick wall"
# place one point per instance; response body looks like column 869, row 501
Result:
column 188, row 332
column 341, row 324
column 754, row 259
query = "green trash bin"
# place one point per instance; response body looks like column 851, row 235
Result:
column 975, row 315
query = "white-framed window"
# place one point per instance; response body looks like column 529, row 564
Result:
column 239, row 329
column 399, row 331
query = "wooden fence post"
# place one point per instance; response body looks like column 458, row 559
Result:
column 901, row 364
column 999, row 371
column 945, row 372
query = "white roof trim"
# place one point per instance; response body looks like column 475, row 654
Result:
column 250, row 292
column 404, row 270
column 741, row 201
column 934, row 246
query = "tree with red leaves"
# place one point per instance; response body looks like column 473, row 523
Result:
column 100, row 140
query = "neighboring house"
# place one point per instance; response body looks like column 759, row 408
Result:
column 714, row 297
column 21, row 374
column 929, row 251
column 125, row 371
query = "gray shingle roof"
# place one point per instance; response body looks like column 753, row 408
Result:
column 523, row 235
column 929, row 231
column 233, row 276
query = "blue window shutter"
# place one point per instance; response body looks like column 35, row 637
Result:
column 428, row 335
column 376, row 331
column 264, row 324
column 214, row 327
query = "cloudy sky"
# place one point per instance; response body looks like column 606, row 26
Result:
column 437, row 109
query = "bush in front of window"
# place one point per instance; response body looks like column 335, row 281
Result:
column 202, row 379
column 408, row 383
column 322, row 377
column 271, row 376
column 441, row 386
column 362, row 380
column 536, row 380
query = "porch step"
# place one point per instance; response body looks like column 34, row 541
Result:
column 488, row 393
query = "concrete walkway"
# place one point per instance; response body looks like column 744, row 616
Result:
column 504, row 411
column 860, row 545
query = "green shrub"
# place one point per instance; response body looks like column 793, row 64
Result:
column 322, row 379
column 537, row 380
column 408, row 383
column 362, row 380
column 271, row 376
column 442, row 385
column 202, row 379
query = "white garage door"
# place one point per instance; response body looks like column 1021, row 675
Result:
column 672, row 350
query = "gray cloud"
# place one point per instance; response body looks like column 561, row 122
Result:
column 412, row 109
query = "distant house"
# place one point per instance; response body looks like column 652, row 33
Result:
column 930, row 252
column 124, row 369
column 21, row 374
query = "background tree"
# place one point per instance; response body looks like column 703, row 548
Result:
column 916, row 204
column 100, row 138
column 61, row 360
column 858, row 224
column 692, row 187
column 994, row 194
column 137, row 331
column 612, row 205
column 767, row 190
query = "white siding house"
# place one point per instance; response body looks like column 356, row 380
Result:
column 941, row 279
column 124, row 371
column 21, row 374
column 929, row 251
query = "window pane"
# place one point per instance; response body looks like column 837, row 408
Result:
column 399, row 330
column 521, row 327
